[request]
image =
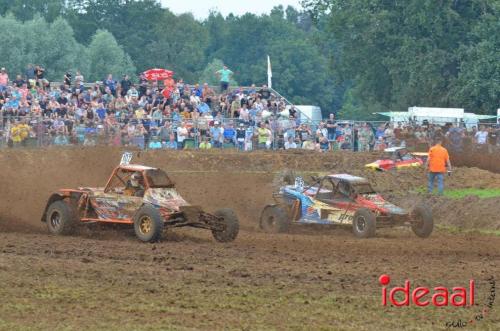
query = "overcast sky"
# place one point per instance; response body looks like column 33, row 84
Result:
column 201, row 8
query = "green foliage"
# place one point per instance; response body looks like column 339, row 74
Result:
column 481, row 193
column 107, row 57
column 38, row 42
column 417, row 52
column 178, row 44
column 300, row 71
column 26, row 10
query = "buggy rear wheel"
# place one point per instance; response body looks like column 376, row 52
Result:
column 364, row 223
column 232, row 226
column 148, row 224
column 61, row 218
column 274, row 219
column 422, row 222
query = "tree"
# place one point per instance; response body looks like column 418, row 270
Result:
column 26, row 10
column 419, row 52
column 478, row 84
column 300, row 73
column 178, row 44
column 107, row 57
column 55, row 48
column 13, row 50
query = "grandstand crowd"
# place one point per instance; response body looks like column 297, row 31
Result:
column 35, row 112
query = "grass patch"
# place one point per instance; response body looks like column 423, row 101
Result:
column 456, row 230
column 460, row 193
column 481, row 193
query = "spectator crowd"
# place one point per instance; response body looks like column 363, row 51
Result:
column 35, row 112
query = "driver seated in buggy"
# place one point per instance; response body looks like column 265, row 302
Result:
column 403, row 155
column 135, row 185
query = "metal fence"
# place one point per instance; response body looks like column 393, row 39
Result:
column 201, row 133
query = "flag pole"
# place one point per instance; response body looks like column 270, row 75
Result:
column 269, row 73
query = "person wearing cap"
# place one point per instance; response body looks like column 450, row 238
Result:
column 135, row 186
column 217, row 134
column 436, row 164
column 4, row 80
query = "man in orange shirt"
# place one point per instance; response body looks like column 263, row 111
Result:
column 436, row 164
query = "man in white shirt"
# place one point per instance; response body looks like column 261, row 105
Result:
column 290, row 144
column 182, row 133
column 481, row 136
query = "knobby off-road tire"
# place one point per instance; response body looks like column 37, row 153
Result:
column 422, row 221
column 232, row 226
column 274, row 219
column 148, row 224
column 364, row 223
column 61, row 218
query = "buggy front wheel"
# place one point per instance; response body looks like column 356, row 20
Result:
column 364, row 223
column 148, row 224
column 231, row 224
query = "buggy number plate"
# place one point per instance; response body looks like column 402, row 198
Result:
column 126, row 158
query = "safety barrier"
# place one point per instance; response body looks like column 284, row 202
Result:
column 162, row 133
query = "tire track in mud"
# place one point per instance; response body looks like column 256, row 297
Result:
column 213, row 179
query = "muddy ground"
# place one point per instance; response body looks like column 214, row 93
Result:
column 313, row 278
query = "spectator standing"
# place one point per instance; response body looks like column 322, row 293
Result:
column 79, row 77
column 389, row 135
column 67, row 78
column 235, row 107
column 125, row 85
column 481, row 136
column 182, row 134
column 30, row 75
column 4, row 79
column 262, row 136
column 365, row 138
column 225, row 77
column 264, row 92
column 217, row 134
column 40, row 77
column 436, row 164
column 111, row 84
column 331, row 126
column 229, row 134
column 240, row 136
column 290, row 144
column 493, row 135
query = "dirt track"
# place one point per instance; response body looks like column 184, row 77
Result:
column 310, row 279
